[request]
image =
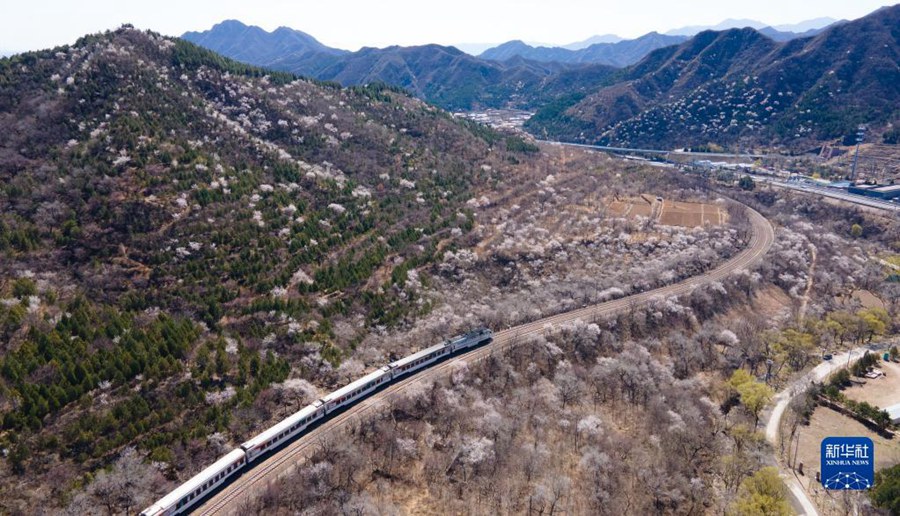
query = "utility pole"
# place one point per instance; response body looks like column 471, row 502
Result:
column 860, row 133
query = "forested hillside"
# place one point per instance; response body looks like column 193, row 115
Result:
column 179, row 230
column 740, row 88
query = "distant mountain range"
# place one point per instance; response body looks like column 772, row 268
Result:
column 479, row 48
column 593, row 40
column 779, row 35
column 806, row 29
column 253, row 44
column 515, row 74
column 443, row 75
column 783, row 32
column 614, row 51
column 619, row 54
column 740, row 87
column 808, row 25
column 796, row 28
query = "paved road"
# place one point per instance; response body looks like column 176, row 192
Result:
column 628, row 150
column 283, row 461
column 832, row 193
column 886, row 263
column 801, row 187
column 784, row 398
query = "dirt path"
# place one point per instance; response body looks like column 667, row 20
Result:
column 784, row 398
column 804, row 303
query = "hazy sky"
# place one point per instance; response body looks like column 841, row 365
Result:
column 27, row 25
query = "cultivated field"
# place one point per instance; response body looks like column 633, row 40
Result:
column 632, row 207
column 689, row 214
column 667, row 212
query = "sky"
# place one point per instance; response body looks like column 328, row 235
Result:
column 350, row 24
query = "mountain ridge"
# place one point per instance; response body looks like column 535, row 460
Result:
column 781, row 36
column 593, row 40
column 254, row 45
column 731, row 23
column 806, row 25
column 618, row 54
column 727, row 24
column 740, row 87
column 441, row 74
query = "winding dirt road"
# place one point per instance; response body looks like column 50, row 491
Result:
column 230, row 498
column 803, row 503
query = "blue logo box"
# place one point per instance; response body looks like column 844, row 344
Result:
column 848, row 463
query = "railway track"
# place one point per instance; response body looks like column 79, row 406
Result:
column 229, row 499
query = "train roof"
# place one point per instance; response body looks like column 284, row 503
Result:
column 468, row 335
column 425, row 352
column 350, row 387
column 196, row 481
column 417, row 355
column 476, row 331
column 282, row 425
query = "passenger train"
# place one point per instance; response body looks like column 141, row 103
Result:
column 191, row 492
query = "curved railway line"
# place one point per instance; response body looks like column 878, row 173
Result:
column 228, row 499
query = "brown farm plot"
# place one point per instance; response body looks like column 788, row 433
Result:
column 691, row 214
column 631, row 207
column 669, row 213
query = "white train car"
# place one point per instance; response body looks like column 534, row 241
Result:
column 355, row 390
column 419, row 359
column 283, row 430
column 430, row 355
column 192, row 491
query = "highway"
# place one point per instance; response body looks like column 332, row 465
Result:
column 230, row 498
column 800, row 187
column 829, row 192
column 661, row 151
